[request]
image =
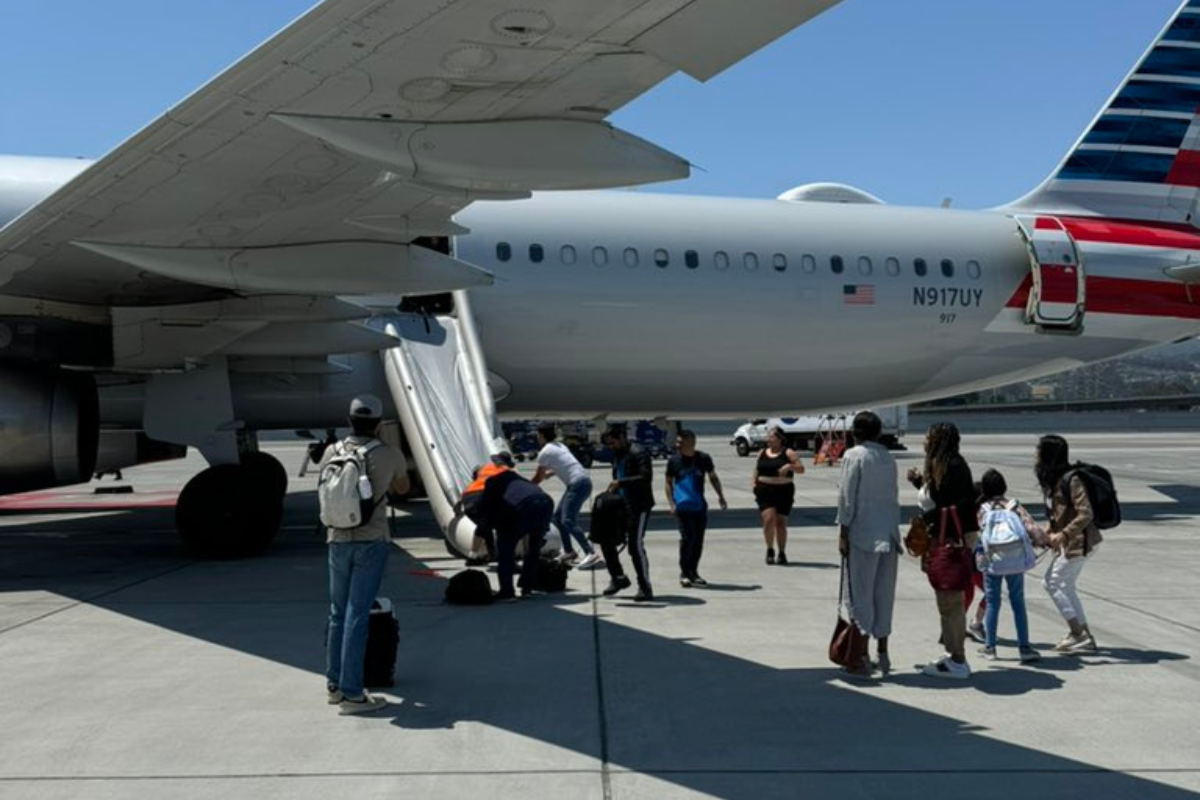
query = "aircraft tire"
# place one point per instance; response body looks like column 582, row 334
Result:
column 229, row 511
column 267, row 468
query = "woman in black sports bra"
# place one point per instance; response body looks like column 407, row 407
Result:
column 775, row 493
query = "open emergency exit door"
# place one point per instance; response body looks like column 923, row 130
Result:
column 1057, row 296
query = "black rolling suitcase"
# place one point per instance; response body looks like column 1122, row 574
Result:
column 383, row 637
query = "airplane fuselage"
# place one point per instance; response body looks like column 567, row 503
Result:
column 699, row 306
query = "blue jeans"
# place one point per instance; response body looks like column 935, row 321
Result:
column 566, row 516
column 355, row 572
column 1016, row 598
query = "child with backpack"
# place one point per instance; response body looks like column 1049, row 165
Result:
column 1005, row 551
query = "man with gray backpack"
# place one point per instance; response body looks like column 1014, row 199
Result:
column 356, row 475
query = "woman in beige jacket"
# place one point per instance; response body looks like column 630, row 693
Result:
column 1073, row 538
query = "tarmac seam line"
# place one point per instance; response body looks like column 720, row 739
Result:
column 93, row 598
column 619, row 771
column 602, row 716
column 1141, row 611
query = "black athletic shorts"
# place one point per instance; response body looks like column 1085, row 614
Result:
column 780, row 497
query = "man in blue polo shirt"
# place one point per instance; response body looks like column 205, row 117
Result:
column 685, row 495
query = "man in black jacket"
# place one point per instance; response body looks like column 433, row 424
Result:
column 514, row 507
column 632, row 474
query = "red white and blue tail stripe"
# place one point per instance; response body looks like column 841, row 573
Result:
column 1140, row 159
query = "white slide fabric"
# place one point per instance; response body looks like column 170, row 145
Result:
column 439, row 385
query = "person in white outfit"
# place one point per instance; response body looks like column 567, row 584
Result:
column 555, row 458
column 868, row 534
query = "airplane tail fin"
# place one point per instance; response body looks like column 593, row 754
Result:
column 1140, row 159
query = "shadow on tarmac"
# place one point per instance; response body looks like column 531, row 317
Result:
column 638, row 702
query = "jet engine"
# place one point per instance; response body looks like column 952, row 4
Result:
column 49, row 428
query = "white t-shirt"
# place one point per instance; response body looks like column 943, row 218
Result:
column 557, row 458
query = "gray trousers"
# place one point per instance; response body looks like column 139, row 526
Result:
column 873, row 590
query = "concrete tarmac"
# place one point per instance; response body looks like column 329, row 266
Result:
column 130, row 670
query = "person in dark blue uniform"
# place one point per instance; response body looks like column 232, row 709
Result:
column 512, row 507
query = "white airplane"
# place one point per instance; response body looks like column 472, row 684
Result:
column 206, row 279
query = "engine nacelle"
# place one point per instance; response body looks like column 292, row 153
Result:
column 49, row 428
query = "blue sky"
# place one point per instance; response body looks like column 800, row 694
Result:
column 912, row 100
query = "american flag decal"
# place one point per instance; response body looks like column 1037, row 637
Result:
column 858, row 294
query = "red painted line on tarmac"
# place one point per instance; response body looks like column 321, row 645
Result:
column 57, row 502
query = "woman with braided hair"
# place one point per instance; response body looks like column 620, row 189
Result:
column 946, row 490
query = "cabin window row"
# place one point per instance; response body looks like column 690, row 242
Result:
column 721, row 260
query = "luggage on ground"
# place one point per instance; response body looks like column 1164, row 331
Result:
column 469, row 588
column 383, row 638
column 551, row 575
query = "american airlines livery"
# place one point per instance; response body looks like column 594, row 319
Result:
column 402, row 196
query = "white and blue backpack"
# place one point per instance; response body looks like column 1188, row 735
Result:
column 1004, row 545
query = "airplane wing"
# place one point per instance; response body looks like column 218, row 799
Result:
column 309, row 166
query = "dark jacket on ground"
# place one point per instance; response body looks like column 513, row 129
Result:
column 636, row 485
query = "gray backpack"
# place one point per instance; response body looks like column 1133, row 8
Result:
column 344, row 487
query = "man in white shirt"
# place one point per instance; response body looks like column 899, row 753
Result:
column 554, row 458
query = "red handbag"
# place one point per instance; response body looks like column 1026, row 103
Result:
column 948, row 564
column 848, row 645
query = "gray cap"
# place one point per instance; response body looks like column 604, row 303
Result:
column 366, row 406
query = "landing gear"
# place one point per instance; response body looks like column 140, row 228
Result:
column 232, row 510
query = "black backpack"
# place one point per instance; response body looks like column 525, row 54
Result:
column 551, row 575
column 469, row 588
column 1106, row 510
column 609, row 513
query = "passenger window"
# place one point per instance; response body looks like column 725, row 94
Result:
column 892, row 265
column 631, row 257
column 750, row 261
column 721, row 260
column 779, row 261
column 536, row 253
column 920, row 267
column 504, row 251
column 808, row 263
column 691, row 259
column 974, row 271
column 600, row 256
column 947, row 268
column 837, row 265
column 568, row 254
column 661, row 258
column 864, row 266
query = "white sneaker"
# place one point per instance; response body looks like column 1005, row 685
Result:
column 366, row 705
column 591, row 561
column 567, row 558
column 1083, row 643
column 946, row 667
